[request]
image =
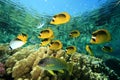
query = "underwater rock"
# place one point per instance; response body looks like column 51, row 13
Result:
column 23, row 65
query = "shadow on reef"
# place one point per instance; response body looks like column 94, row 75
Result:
column 113, row 64
column 6, row 77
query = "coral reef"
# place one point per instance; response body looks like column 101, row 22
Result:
column 5, row 52
column 23, row 65
column 2, row 69
column 114, row 64
column 91, row 68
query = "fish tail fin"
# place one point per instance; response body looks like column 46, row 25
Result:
column 22, row 37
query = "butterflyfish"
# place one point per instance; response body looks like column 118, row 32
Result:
column 70, row 50
column 55, row 64
column 89, row 50
column 20, row 40
column 107, row 49
column 55, row 45
column 100, row 36
column 74, row 33
column 60, row 18
column 47, row 33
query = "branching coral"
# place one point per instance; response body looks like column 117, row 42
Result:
column 23, row 65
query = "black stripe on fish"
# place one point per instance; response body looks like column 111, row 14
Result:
column 10, row 47
column 18, row 39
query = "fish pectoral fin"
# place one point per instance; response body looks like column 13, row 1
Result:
column 51, row 72
column 61, row 71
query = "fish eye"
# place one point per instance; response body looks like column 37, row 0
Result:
column 41, row 62
column 39, row 34
column 51, row 42
column 53, row 20
column 70, row 34
column 93, row 39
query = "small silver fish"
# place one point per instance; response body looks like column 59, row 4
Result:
column 40, row 25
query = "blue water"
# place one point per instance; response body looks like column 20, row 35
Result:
column 50, row 7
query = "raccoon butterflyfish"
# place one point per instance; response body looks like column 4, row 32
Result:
column 20, row 40
column 55, row 45
column 47, row 33
column 61, row 18
column 55, row 64
column 100, row 36
column 45, row 42
column 70, row 50
column 107, row 49
column 74, row 33
column 89, row 50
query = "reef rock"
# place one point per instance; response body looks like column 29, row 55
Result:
column 5, row 52
column 23, row 65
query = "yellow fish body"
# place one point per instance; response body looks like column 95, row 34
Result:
column 20, row 40
column 74, row 33
column 47, row 33
column 70, row 50
column 61, row 18
column 107, row 49
column 100, row 36
column 55, row 45
column 89, row 50
column 52, row 37
column 45, row 42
